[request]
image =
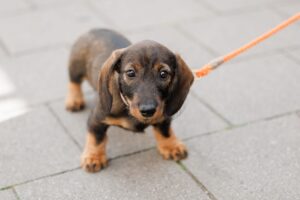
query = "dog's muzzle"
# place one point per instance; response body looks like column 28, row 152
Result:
column 148, row 108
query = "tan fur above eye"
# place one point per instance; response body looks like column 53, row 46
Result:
column 162, row 66
column 136, row 67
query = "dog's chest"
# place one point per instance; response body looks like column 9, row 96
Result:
column 126, row 122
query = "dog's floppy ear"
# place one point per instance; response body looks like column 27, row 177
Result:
column 183, row 81
column 105, row 75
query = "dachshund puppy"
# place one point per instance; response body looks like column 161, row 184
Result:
column 138, row 84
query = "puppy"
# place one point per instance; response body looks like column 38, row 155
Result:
column 138, row 84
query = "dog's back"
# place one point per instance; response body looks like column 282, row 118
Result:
column 90, row 52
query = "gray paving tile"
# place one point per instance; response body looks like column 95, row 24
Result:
column 48, row 3
column 123, row 142
column 259, row 161
column 295, row 54
column 11, row 107
column 252, row 90
column 7, row 195
column 2, row 53
column 120, row 141
column 135, row 14
column 226, row 33
column 289, row 9
column 232, row 5
column 195, row 119
column 193, row 54
column 12, row 7
column 34, row 145
column 141, row 176
column 37, row 77
column 47, row 27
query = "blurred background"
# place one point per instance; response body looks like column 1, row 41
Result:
column 241, row 123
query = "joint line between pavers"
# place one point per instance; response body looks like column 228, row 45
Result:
column 212, row 109
column 291, row 57
column 39, row 178
column 4, row 48
column 194, row 178
column 190, row 37
column 132, row 153
column 15, row 193
column 67, row 171
column 64, row 128
column 267, row 118
column 208, row 133
column 296, row 112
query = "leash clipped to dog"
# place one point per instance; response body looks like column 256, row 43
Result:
column 206, row 69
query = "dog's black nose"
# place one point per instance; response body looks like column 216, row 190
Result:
column 147, row 110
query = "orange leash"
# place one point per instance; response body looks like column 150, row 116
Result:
column 219, row 61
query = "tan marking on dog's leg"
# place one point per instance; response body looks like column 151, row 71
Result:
column 74, row 100
column 93, row 157
column 170, row 147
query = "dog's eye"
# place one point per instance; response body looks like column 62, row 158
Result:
column 130, row 73
column 163, row 74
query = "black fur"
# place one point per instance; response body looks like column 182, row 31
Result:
column 164, row 127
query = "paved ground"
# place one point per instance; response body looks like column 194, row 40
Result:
column 241, row 124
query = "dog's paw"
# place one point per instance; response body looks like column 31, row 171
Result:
column 93, row 163
column 74, row 103
column 173, row 151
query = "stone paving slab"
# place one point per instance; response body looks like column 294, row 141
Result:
column 195, row 119
column 149, row 13
column 34, row 145
column 11, row 107
column 7, row 195
column 295, row 54
column 120, row 141
column 123, row 142
column 237, row 5
column 258, row 161
column 253, row 89
column 49, row 3
column 13, row 7
column 140, row 176
column 38, row 77
column 226, row 33
column 194, row 55
column 289, row 9
column 2, row 53
column 47, row 27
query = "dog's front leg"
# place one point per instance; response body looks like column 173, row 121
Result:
column 167, row 143
column 94, row 155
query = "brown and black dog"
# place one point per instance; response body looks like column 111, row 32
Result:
column 138, row 84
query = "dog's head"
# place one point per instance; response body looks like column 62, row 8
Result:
column 152, row 80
